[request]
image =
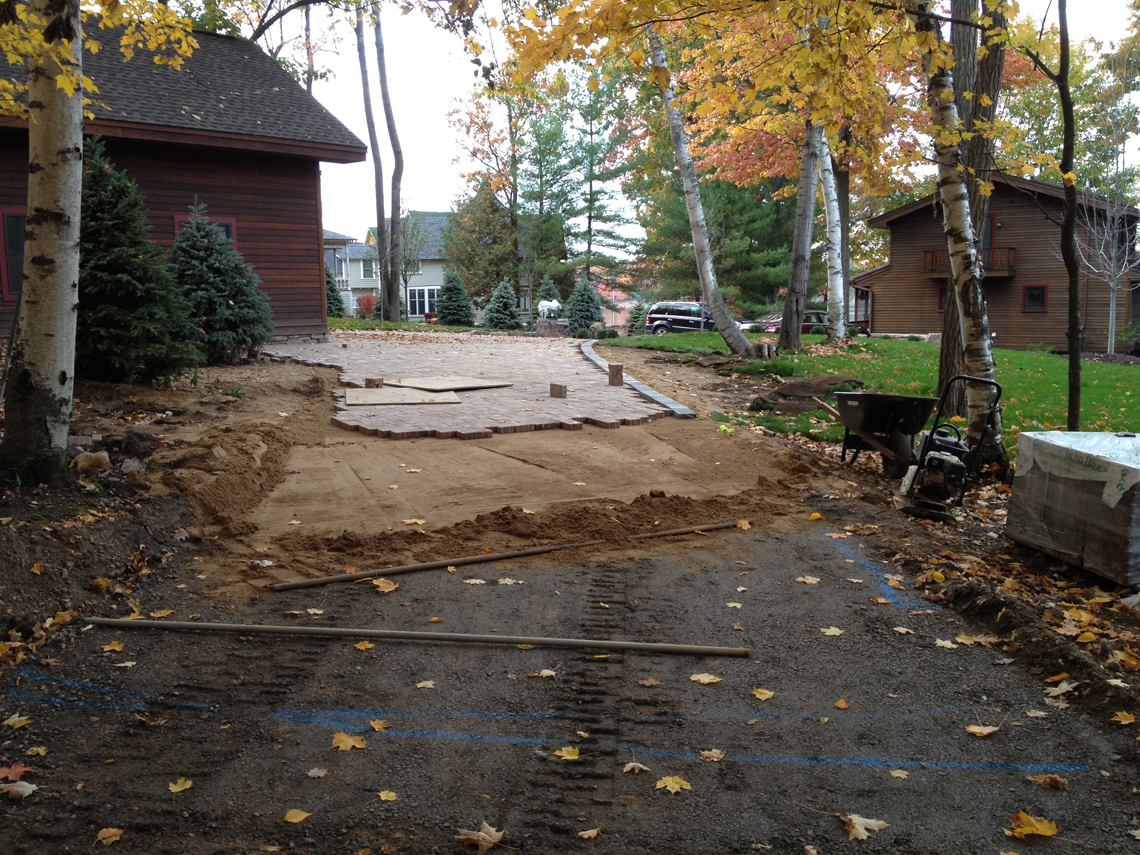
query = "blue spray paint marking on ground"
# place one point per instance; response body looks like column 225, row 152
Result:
column 345, row 720
column 107, row 690
column 889, row 593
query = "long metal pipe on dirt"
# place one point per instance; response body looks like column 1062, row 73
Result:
column 693, row 529
column 342, row 632
column 429, row 565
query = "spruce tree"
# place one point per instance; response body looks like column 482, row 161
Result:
column 453, row 306
column 503, row 310
column 333, row 299
column 584, row 307
column 231, row 312
column 133, row 324
column 635, row 321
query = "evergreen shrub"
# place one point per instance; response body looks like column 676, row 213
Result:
column 453, row 306
column 502, row 311
column 333, row 299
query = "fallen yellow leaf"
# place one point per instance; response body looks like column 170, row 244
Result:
column 364, row 645
column 109, row 835
column 1124, row 718
column 899, row 773
column 180, row 785
column 704, row 679
column 841, row 704
column 383, row 586
column 808, row 580
column 980, row 730
column 815, row 517
column 712, row 756
column 344, row 742
column 763, row 694
column 650, row 682
column 162, row 612
column 426, row 684
column 858, row 827
column 590, row 834
column 113, row 645
column 387, row 796
column 414, row 522
column 674, row 784
column 734, row 605
column 296, row 815
column 949, row 645
column 1055, row 782
column 902, row 630
column 15, row 722
column 1025, row 825
column 635, row 768
column 379, row 724
column 744, row 524
column 37, row 568
column 567, row 753
column 37, row 751
column 832, row 630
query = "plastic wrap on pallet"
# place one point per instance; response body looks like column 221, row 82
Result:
column 1074, row 497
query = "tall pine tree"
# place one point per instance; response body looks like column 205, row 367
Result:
column 133, row 324
column 232, row 313
column 453, row 306
column 503, row 309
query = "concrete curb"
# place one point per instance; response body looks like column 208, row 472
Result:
column 678, row 409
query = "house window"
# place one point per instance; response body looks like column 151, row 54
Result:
column 524, row 300
column 367, row 268
column 12, row 246
column 988, row 242
column 942, row 298
column 338, row 263
column 421, row 300
column 228, row 225
column 414, row 267
column 1035, row 298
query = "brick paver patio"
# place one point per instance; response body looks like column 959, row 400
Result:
column 530, row 364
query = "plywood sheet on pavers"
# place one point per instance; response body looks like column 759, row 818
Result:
column 396, row 395
column 453, row 382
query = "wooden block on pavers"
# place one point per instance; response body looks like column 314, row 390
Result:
column 373, row 382
column 616, row 376
column 557, row 390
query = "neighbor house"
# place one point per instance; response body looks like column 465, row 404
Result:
column 1025, row 284
column 230, row 130
column 425, row 275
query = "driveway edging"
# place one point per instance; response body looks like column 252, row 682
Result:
column 650, row 394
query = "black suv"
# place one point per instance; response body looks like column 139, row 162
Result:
column 677, row 318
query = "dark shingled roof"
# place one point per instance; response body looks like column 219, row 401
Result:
column 434, row 225
column 228, row 86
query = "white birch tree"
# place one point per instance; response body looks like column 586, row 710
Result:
column 836, row 292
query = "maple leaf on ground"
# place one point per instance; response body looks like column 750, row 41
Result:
column 346, row 743
column 808, row 580
column 485, row 838
column 1025, row 825
column 383, row 586
column 842, row 704
column 590, row 834
column 712, row 756
column 982, row 730
column 18, row 789
column 635, row 768
column 567, row 753
column 744, row 525
column 763, row 694
column 387, row 796
column 1061, row 688
column 674, row 784
column 364, row 645
column 899, row 773
column 650, row 682
column 1055, row 782
column 902, row 630
column 379, row 724
column 109, row 835
column 296, row 815
column 858, row 827
column 831, row 630
column 1124, row 718
column 180, row 785
column 112, row 645
column 162, row 612
column 14, row 721
column 704, row 679
column 37, row 751
column 949, row 645
column 15, row 771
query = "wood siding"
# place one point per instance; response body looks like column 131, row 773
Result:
column 273, row 200
column 905, row 293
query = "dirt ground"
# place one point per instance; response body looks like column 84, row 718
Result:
column 245, row 484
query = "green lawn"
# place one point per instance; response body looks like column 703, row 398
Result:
column 1035, row 384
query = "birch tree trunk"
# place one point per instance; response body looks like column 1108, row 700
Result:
column 39, row 394
column 377, row 166
column 801, row 241
column 836, row 294
column 392, row 283
column 965, row 269
column 737, row 342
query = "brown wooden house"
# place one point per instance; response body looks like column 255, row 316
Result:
column 230, row 130
column 1026, row 285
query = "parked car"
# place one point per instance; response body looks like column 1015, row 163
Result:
column 678, row 317
column 812, row 318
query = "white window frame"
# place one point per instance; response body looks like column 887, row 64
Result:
column 368, row 268
column 422, row 298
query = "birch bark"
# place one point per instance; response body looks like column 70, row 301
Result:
column 377, row 165
column 801, row 241
column 391, row 294
column 965, row 269
column 836, row 291
column 39, row 394
column 737, row 342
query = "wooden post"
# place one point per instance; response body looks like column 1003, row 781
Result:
column 557, row 390
column 373, row 382
column 616, row 378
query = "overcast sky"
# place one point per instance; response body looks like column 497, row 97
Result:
column 428, row 71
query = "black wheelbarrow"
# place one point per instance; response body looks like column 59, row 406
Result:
column 883, row 423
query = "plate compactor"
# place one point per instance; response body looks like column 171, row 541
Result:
column 937, row 480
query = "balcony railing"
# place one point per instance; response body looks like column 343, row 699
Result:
column 996, row 261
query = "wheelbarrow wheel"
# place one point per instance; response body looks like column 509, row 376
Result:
column 899, row 443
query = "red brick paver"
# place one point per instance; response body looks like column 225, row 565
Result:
column 530, row 364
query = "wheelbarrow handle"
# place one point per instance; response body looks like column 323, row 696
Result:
column 969, row 379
